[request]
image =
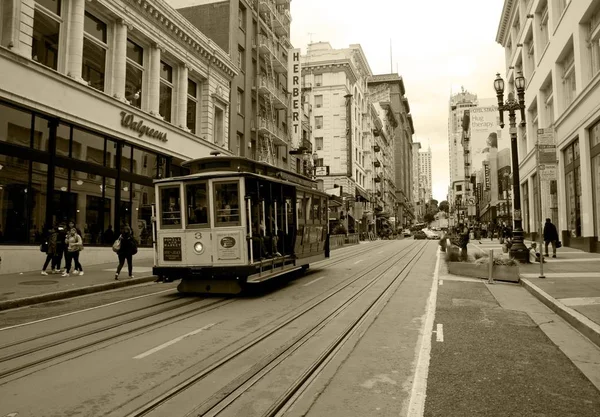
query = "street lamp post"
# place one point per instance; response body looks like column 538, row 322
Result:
column 518, row 249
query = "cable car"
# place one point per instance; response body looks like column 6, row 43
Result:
column 233, row 222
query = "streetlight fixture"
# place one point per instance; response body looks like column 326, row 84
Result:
column 518, row 250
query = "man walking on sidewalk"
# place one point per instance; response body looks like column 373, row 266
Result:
column 550, row 237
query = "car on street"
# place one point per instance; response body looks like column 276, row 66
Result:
column 431, row 234
column 419, row 234
column 406, row 233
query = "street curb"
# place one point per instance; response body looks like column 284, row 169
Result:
column 75, row 292
column 580, row 322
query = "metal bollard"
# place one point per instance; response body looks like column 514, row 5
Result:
column 491, row 267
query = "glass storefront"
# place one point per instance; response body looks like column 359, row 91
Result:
column 55, row 172
column 573, row 188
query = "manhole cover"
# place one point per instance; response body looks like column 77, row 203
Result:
column 39, row 282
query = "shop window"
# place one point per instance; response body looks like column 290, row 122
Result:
column 166, row 91
column 134, row 73
column 170, row 207
column 142, row 200
column 197, row 205
column 192, row 105
column 94, row 51
column 46, row 33
column 573, row 188
column 145, row 163
column 227, row 207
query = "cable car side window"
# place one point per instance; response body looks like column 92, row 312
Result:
column 170, row 207
column 197, row 205
column 227, row 206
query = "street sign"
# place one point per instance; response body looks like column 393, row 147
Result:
column 471, row 201
column 546, row 136
column 546, row 154
column 321, row 171
column 548, row 172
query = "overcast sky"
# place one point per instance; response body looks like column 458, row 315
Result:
column 437, row 47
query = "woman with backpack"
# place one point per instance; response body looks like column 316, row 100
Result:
column 74, row 245
column 125, row 247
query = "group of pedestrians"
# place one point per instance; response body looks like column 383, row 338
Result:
column 65, row 241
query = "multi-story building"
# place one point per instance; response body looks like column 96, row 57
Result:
column 384, row 143
column 458, row 103
column 425, row 174
column 389, row 88
column 97, row 99
column 556, row 45
column 256, row 35
column 416, row 181
column 335, row 85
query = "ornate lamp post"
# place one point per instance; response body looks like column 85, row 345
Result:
column 518, row 250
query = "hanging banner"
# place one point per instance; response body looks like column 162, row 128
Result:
column 485, row 132
column 294, row 87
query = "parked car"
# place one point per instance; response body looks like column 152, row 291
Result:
column 431, row 234
column 419, row 234
column 406, row 232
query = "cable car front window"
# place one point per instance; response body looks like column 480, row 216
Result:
column 197, row 205
column 170, row 207
column 227, row 206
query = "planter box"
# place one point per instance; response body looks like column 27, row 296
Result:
column 499, row 273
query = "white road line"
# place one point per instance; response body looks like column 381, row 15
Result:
column 312, row 282
column 439, row 333
column 416, row 406
column 87, row 309
column 580, row 301
column 359, row 261
column 172, row 342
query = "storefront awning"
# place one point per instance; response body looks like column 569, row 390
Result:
column 361, row 195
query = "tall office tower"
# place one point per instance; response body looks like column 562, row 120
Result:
column 425, row 174
column 256, row 34
column 459, row 102
column 415, row 178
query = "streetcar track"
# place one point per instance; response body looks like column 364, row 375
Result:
column 297, row 343
column 208, row 307
column 201, row 374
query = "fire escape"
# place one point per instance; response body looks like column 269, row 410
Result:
column 271, row 52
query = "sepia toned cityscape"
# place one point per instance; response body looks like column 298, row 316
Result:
column 299, row 208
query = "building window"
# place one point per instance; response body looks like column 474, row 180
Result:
column 573, row 188
column 543, row 30
column 548, row 105
column 319, row 101
column 241, row 61
column 561, row 5
column 94, row 51
column 595, row 159
column 218, row 126
column 318, row 80
column 568, row 79
column 166, row 91
column 319, row 143
column 594, row 42
column 134, row 74
column 240, row 102
column 242, row 17
column 46, row 32
column 192, row 105
column 318, row 122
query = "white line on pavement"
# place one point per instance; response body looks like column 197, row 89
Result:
column 416, row 405
column 580, row 301
column 87, row 309
column 312, row 282
column 439, row 333
column 359, row 261
column 172, row 342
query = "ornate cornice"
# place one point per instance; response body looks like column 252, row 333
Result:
column 330, row 66
column 172, row 22
column 504, row 22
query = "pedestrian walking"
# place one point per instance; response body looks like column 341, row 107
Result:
column 126, row 247
column 60, row 247
column 74, row 246
column 49, row 246
column 550, row 237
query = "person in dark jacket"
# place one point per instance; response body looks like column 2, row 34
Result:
column 550, row 237
column 51, row 240
column 60, row 246
column 126, row 251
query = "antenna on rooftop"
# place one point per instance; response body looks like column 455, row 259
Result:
column 310, row 37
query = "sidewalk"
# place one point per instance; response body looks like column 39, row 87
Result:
column 17, row 290
column 571, row 287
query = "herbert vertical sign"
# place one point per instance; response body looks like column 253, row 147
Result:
column 294, row 77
